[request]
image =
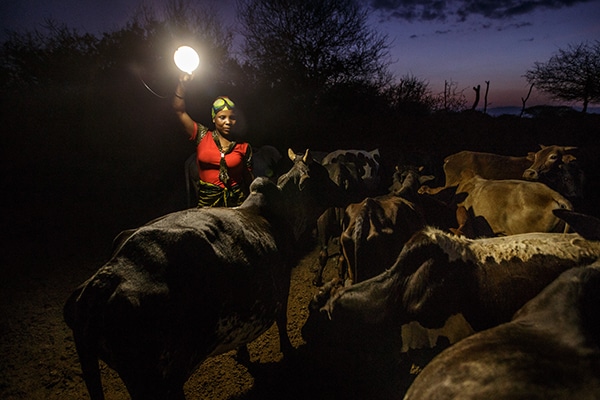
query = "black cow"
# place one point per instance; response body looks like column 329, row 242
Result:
column 196, row 283
column 550, row 350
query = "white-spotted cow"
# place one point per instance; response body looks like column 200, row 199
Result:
column 550, row 350
column 196, row 283
column 438, row 274
column 367, row 162
column 440, row 280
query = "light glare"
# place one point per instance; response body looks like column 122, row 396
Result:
column 186, row 59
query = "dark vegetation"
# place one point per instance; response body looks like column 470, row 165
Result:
column 87, row 151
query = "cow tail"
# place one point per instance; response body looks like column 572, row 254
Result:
column 81, row 317
column 361, row 231
column 565, row 204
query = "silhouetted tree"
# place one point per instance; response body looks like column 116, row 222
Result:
column 451, row 99
column 477, row 90
column 524, row 100
column 409, row 95
column 306, row 58
column 55, row 54
column 146, row 44
column 573, row 74
column 308, row 46
column 59, row 54
column 485, row 97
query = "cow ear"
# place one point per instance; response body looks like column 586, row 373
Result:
column 418, row 289
column 291, row 154
column 426, row 178
column 531, row 156
column 585, row 225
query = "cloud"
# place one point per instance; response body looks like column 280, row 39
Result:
column 440, row 10
column 514, row 26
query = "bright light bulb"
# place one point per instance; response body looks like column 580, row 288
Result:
column 186, row 59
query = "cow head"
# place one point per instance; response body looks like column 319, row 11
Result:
column 346, row 176
column 426, row 284
column 547, row 160
column 307, row 191
column 408, row 178
column 568, row 180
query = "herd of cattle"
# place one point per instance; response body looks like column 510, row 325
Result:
column 497, row 265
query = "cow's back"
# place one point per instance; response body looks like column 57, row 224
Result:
column 512, row 206
column 375, row 231
column 550, row 349
column 486, row 165
column 193, row 284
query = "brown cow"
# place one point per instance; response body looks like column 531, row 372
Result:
column 512, row 206
column 374, row 229
column 547, row 165
column 346, row 175
column 495, row 166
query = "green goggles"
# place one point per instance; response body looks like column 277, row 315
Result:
column 220, row 104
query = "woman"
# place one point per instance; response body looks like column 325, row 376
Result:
column 224, row 162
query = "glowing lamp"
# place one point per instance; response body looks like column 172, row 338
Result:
column 186, row 59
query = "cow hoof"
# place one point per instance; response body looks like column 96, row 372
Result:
column 287, row 350
column 243, row 356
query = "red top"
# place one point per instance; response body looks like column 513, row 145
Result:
column 209, row 156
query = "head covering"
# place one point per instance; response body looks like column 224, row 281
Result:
column 220, row 104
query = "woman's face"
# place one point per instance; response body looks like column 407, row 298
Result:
column 224, row 121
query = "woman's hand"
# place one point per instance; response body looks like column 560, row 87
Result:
column 185, row 77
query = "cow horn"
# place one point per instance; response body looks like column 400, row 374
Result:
column 307, row 157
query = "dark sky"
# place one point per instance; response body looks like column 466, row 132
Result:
column 467, row 42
